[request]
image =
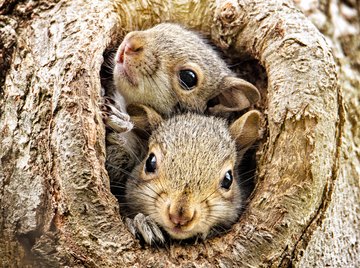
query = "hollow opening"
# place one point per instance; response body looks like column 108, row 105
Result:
column 245, row 67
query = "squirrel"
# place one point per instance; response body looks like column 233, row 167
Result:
column 170, row 69
column 187, row 183
column 168, row 66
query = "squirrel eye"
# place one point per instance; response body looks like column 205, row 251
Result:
column 227, row 180
column 188, row 79
column 150, row 164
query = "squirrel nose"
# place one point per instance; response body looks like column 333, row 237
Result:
column 131, row 48
column 134, row 44
column 181, row 216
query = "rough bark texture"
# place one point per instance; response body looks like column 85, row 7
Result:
column 335, row 243
column 56, row 205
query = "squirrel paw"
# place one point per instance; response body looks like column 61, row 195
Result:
column 114, row 118
column 145, row 227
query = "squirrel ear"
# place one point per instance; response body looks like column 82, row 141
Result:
column 237, row 94
column 144, row 117
column 245, row 130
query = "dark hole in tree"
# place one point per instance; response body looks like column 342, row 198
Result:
column 246, row 68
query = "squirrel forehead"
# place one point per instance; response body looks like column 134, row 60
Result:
column 183, row 44
column 191, row 137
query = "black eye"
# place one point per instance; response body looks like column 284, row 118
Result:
column 188, row 79
column 150, row 164
column 227, row 180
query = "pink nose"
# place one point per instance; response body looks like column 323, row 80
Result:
column 130, row 46
column 178, row 220
column 181, row 217
column 120, row 59
column 133, row 44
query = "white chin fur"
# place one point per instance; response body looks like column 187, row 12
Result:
column 187, row 234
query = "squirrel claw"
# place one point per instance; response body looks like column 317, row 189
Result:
column 117, row 123
column 114, row 118
column 108, row 101
column 146, row 227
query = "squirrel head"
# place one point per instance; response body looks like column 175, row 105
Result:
column 168, row 66
column 188, row 181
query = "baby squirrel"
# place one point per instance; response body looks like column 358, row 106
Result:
column 188, row 183
column 168, row 68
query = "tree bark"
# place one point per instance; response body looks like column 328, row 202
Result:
column 56, row 204
column 335, row 241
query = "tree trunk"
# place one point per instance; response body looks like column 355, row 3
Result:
column 56, row 204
